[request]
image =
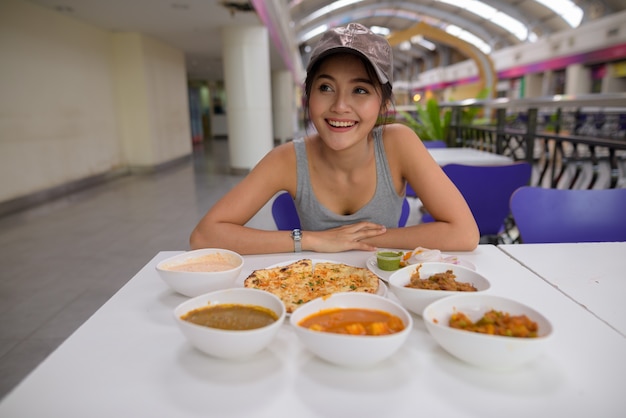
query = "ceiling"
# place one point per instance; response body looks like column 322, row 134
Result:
column 399, row 15
column 194, row 26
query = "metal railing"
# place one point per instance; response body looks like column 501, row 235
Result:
column 573, row 142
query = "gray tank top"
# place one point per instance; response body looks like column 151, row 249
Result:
column 384, row 208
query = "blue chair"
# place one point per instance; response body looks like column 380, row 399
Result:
column 286, row 217
column 284, row 213
column 404, row 215
column 409, row 191
column 488, row 190
column 555, row 215
column 435, row 144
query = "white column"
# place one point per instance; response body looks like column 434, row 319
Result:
column 283, row 105
column 248, row 94
column 612, row 81
column 577, row 79
column 533, row 84
column 547, row 83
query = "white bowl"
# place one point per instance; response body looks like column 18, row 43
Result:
column 351, row 350
column 195, row 283
column 488, row 351
column 416, row 300
column 226, row 343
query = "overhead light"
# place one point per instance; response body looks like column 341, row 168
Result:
column 469, row 38
column 419, row 39
column 567, row 9
column 497, row 17
column 380, row 30
column 323, row 11
column 314, row 32
column 404, row 46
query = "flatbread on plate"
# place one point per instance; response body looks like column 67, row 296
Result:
column 302, row 281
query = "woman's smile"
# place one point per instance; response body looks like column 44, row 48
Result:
column 340, row 123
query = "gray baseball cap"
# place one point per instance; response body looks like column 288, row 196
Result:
column 356, row 38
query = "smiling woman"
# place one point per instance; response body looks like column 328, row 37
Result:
column 348, row 178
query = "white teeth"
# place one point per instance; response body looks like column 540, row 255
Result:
column 338, row 124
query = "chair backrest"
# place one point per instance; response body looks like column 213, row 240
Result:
column 488, row 189
column 435, row 144
column 555, row 215
column 284, row 213
column 404, row 215
column 286, row 216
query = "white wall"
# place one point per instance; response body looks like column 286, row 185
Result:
column 61, row 117
column 57, row 119
column 151, row 100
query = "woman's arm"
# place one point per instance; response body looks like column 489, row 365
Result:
column 454, row 228
column 223, row 225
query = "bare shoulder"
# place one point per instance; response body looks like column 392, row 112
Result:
column 278, row 158
column 405, row 152
column 285, row 150
column 275, row 171
column 399, row 138
column 399, row 130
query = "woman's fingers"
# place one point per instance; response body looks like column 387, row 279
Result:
column 347, row 237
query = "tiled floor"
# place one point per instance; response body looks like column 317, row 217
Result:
column 62, row 260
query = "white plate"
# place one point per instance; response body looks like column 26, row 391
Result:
column 372, row 265
column 382, row 287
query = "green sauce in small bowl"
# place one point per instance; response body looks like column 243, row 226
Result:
column 388, row 260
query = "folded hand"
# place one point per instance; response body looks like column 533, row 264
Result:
column 343, row 238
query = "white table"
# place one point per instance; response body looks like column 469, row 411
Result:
column 592, row 274
column 130, row 360
column 467, row 156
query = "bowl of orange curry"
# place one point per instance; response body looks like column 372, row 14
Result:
column 352, row 329
column 488, row 331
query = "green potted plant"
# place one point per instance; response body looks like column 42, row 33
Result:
column 430, row 124
column 433, row 124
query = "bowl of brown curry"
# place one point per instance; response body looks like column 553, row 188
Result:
column 418, row 285
column 231, row 323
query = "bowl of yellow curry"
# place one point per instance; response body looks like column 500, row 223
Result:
column 488, row 331
column 231, row 323
column 352, row 329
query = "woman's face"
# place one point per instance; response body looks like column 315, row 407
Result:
column 344, row 102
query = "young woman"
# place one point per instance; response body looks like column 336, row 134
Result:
column 348, row 179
